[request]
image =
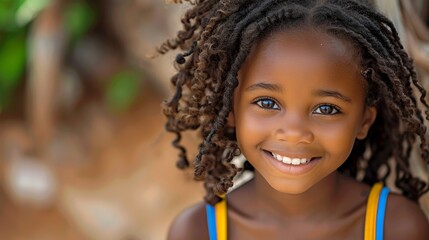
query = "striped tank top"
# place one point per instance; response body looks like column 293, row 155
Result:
column 374, row 217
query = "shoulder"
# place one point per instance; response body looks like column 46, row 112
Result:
column 404, row 219
column 190, row 224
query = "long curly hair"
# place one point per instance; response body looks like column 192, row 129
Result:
column 217, row 37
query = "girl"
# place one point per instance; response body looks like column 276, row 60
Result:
column 319, row 97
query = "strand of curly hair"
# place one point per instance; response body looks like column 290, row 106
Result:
column 218, row 36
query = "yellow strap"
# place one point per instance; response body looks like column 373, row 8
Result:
column 371, row 211
column 221, row 220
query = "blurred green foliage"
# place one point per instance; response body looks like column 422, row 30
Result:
column 8, row 12
column 79, row 16
column 122, row 90
column 28, row 10
column 12, row 65
column 12, row 49
column 16, row 17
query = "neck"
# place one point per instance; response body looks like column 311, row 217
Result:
column 316, row 202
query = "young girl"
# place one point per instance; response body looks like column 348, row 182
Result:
column 319, row 97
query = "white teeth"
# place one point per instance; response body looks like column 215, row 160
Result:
column 296, row 161
column 287, row 160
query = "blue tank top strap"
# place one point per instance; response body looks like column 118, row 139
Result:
column 211, row 221
column 381, row 212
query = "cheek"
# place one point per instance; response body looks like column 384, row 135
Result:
column 338, row 138
column 252, row 127
column 248, row 128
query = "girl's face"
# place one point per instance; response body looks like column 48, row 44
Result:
column 299, row 107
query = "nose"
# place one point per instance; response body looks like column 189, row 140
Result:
column 294, row 130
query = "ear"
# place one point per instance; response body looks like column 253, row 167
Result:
column 367, row 121
column 230, row 121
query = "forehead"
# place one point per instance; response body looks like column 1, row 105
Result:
column 303, row 51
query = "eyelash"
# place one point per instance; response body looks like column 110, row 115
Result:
column 259, row 100
column 335, row 108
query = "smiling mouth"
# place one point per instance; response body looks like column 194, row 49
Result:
column 290, row 160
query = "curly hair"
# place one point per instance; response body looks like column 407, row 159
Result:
column 217, row 37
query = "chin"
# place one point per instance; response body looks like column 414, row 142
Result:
column 289, row 187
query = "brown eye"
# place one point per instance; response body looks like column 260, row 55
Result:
column 267, row 103
column 327, row 109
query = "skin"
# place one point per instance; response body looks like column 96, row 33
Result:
column 301, row 95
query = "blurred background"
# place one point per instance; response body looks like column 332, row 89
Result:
column 83, row 153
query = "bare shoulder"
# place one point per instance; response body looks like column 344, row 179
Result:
column 405, row 219
column 190, row 224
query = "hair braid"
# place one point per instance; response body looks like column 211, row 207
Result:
column 218, row 36
column 406, row 101
column 254, row 30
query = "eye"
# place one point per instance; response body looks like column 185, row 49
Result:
column 267, row 103
column 327, row 109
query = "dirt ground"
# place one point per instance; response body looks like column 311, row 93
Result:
column 114, row 178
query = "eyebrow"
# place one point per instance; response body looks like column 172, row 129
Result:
column 267, row 86
column 332, row 93
column 277, row 88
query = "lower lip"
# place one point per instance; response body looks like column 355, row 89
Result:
column 289, row 168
